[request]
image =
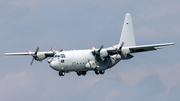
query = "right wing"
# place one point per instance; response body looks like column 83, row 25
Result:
column 39, row 56
column 47, row 53
column 22, row 53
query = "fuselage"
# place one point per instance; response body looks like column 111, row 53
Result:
column 79, row 60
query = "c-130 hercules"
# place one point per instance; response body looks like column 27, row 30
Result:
column 97, row 60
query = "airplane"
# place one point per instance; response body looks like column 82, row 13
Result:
column 97, row 60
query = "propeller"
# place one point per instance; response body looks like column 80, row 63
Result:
column 34, row 55
column 119, row 50
column 52, row 49
column 97, row 53
column 54, row 52
column 61, row 50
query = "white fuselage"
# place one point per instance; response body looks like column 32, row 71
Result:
column 76, row 60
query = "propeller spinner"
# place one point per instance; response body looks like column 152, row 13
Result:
column 97, row 53
column 119, row 50
column 34, row 55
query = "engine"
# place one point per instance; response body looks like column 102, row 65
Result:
column 103, row 53
column 40, row 56
column 116, row 56
column 125, row 51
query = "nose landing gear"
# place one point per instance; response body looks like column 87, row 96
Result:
column 61, row 73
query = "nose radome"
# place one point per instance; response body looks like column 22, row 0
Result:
column 54, row 64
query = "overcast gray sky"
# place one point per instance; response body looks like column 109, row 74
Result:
column 78, row 24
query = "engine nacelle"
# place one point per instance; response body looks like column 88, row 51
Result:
column 125, row 50
column 91, row 65
column 116, row 56
column 103, row 53
column 40, row 56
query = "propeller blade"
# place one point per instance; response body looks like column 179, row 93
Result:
column 37, row 49
column 97, row 53
column 32, row 61
column 61, row 50
column 120, row 49
column 92, row 47
column 121, row 45
column 28, row 51
column 52, row 49
column 100, row 48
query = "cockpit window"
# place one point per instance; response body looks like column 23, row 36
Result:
column 56, row 56
column 62, row 56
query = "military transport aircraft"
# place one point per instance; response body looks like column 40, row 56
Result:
column 98, row 60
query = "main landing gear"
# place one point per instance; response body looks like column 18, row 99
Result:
column 99, row 72
column 61, row 73
column 79, row 73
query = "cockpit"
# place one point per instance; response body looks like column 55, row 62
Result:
column 57, row 57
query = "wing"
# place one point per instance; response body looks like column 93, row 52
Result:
column 142, row 48
column 47, row 53
column 39, row 56
column 22, row 53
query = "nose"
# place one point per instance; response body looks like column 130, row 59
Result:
column 54, row 64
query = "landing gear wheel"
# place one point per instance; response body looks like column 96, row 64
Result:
column 78, row 73
column 61, row 73
column 83, row 73
column 96, row 72
column 101, row 72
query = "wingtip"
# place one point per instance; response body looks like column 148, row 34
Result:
column 5, row 54
column 172, row 43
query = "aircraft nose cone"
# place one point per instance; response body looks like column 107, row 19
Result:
column 54, row 64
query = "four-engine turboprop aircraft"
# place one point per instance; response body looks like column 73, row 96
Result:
column 97, row 60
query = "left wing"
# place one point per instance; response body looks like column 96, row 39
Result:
column 142, row 48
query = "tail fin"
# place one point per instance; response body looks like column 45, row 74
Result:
column 127, row 35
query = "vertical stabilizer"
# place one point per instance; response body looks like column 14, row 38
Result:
column 127, row 34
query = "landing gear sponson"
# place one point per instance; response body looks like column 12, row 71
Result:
column 79, row 73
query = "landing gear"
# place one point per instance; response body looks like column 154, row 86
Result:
column 79, row 73
column 83, row 73
column 99, row 72
column 61, row 73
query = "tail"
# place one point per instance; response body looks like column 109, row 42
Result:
column 127, row 35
